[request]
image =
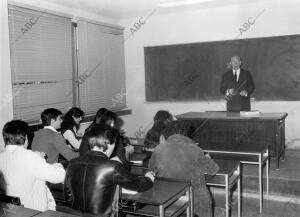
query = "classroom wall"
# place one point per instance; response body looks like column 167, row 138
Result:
column 5, row 77
column 276, row 18
column 6, row 97
column 199, row 25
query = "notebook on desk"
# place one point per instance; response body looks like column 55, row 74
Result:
column 138, row 158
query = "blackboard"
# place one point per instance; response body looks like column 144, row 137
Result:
column 193, row 72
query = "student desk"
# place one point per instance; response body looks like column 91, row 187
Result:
column 227, row 177
column 246, row 154
column 18, row 211
column 162, row 199
column 230, row 128
column 50, row 213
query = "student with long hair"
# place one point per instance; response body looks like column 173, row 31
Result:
column 84, row 147
column 106, row 117
column 70, row 126
column 91, row 179
column 161, row 119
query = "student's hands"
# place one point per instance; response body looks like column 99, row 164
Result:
column 150, row 175
column 43, row 155
column 129, row 149
column 207, row 155
column 243, row 93
column 231, row 91
column 115, row 158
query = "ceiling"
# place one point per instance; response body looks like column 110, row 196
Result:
column 119, row 9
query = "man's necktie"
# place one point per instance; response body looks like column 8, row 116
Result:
column 235, row 75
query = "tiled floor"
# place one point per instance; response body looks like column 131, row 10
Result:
column 284, row 182
column 250, row 208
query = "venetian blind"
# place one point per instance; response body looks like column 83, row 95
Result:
column 41, row 62
column 101, row 71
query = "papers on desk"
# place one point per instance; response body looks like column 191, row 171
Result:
column 137, row 162
column 249, row 113
column 126, row 191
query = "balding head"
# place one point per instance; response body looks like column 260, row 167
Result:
column 235, row 62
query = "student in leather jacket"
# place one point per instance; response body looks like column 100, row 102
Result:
column 122, row 149
column 92, row 178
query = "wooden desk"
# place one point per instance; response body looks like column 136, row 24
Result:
column 50, row 213
column 17, row 211
column 227, row 177
column 163, row 195
column 228, row 128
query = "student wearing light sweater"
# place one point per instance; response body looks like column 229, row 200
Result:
column 26, row 172
column 70, row 127
column 49, row 141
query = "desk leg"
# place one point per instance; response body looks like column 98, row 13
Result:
column 267, row 173
column 227, row 195
column 161, row 211
column 239, row 191
column 191, row 202
column 260, row 184
column 188, row 209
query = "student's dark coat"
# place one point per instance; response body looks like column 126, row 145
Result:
column 180, row 158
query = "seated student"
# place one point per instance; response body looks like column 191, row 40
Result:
column 84, row 147
column 48, row 140
column 26, row 172
column 2, row 184
column 161, row 119
column 70, row 126
column 91, row 179
column 177, row 156
column 2, row 190
column 108, row 118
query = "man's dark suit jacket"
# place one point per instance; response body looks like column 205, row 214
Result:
column 245, row 82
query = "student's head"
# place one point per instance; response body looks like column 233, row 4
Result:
column 175, row 127
column 235, row 62
column 161, row 119
column 74, row 116
column 162, row 116
column 153, row 135
column 109, row 118
column 16, row 133
column 99, row 114
column 52, row 117
column 102, row 138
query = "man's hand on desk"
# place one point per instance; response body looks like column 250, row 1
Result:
column 150, row 175
column 243, row 93
column 230, row 91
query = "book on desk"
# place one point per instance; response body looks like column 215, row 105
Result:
column 254, row 113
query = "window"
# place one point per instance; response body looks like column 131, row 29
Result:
column 41, row 62
column 58, row 64
column 101, row 75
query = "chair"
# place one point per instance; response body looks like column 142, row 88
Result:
column 10, row 200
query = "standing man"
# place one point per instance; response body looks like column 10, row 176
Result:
column 237, row 86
